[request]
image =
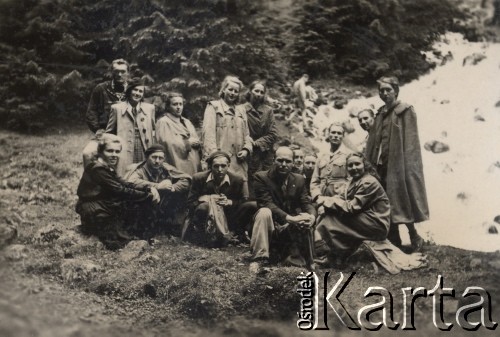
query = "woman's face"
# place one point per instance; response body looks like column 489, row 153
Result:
column 137, row 93
column 231, row 93
column 257, row 94
column 111, row 154
column 387, row 93
column 355, row 167
column 176, row 106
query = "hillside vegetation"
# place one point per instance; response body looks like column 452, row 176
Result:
column 53, row 52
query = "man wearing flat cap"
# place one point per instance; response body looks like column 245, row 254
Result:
column 171, row 183
column 218, row 203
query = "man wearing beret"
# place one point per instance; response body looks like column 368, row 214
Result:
column 172, row 184
column 218, row 203
column 286, row 215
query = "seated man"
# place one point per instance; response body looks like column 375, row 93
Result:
column 309, row 165
column 217, row 203
column 286, row 215
column 173, row 186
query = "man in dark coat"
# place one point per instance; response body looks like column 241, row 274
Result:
column 173, row 186
column 226, row 190
column 286, row 215
column 393, row 147
column 106, row 94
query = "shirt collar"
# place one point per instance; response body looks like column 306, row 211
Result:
column 341, row 150
column 137, row 107
column 224, row 181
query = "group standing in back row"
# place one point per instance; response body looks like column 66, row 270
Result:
column 157, row 174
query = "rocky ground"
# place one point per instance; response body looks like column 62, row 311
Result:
column 55, row 282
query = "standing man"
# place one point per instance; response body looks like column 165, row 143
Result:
column 298, row 161
column 366, row 118
column 309, row 165
column 103, row 96
column 106, row 94
column 218, row 202
column 394, row 149
column 330, row 174
column 299, row 88
column 172, row 184
column 286, row 216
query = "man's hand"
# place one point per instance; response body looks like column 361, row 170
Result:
column 242, row 155
column 156, row 195
column 165, row 185
column 224, row 201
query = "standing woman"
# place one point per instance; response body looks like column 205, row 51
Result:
column 262, row 127
column 225, row 127
column 178, row 135
column 133, row 121
column 393, row 146
column 103, row 195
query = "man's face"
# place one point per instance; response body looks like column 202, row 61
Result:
column 283, row 161
column 365, row 120
column 220, row 165
column 299, row 158
column 120, row 73
column 309, row 163
column 335, row 135
column 155, row 160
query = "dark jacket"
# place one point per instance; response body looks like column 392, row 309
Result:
column 103, row 96
column 405, row 183
column 100, row 182
column 269, row 194
column 200, row 187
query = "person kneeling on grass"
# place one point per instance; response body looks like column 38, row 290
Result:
column 217, row 204
column 103, row 195
column 361, row 212
column 173, row 186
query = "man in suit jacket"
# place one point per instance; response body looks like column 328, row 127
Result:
column 285, row 214
column 227, row 188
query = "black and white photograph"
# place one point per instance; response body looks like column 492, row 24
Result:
column 249, row 168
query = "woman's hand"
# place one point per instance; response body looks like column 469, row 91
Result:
column 195, row 143
column 242, row 155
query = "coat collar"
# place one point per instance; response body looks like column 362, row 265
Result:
column 128, row 109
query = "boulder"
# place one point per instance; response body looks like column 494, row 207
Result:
column 492, row 229
column 479, row 118
column 339, row 103
column 497, row 219
column 436, row 146
column 133, row 250
column 473, row 59
column 79, row 270
column 8, row 233
column 476, row 262
column 16, row 252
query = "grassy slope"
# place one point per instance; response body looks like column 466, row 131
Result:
column 172, row 286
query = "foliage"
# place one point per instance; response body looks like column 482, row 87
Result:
column 53, row 52
column 363, row 40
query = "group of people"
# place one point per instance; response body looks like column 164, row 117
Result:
column 145, row 175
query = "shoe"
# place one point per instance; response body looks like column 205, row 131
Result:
column 417, row 242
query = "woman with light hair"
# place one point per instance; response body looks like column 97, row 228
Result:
column 225, row 127
column 103, row 195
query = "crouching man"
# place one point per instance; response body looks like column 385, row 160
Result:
column 285, row 220
column 173, row 186
column 218, row 205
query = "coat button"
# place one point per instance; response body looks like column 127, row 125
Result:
column 147, row 141
column 144, row 130
column 142, row 119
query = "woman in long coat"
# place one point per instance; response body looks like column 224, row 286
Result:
column 361, row 213
column 178, row 135
column 225, row 127
column 133, row 121
column 393, row 147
